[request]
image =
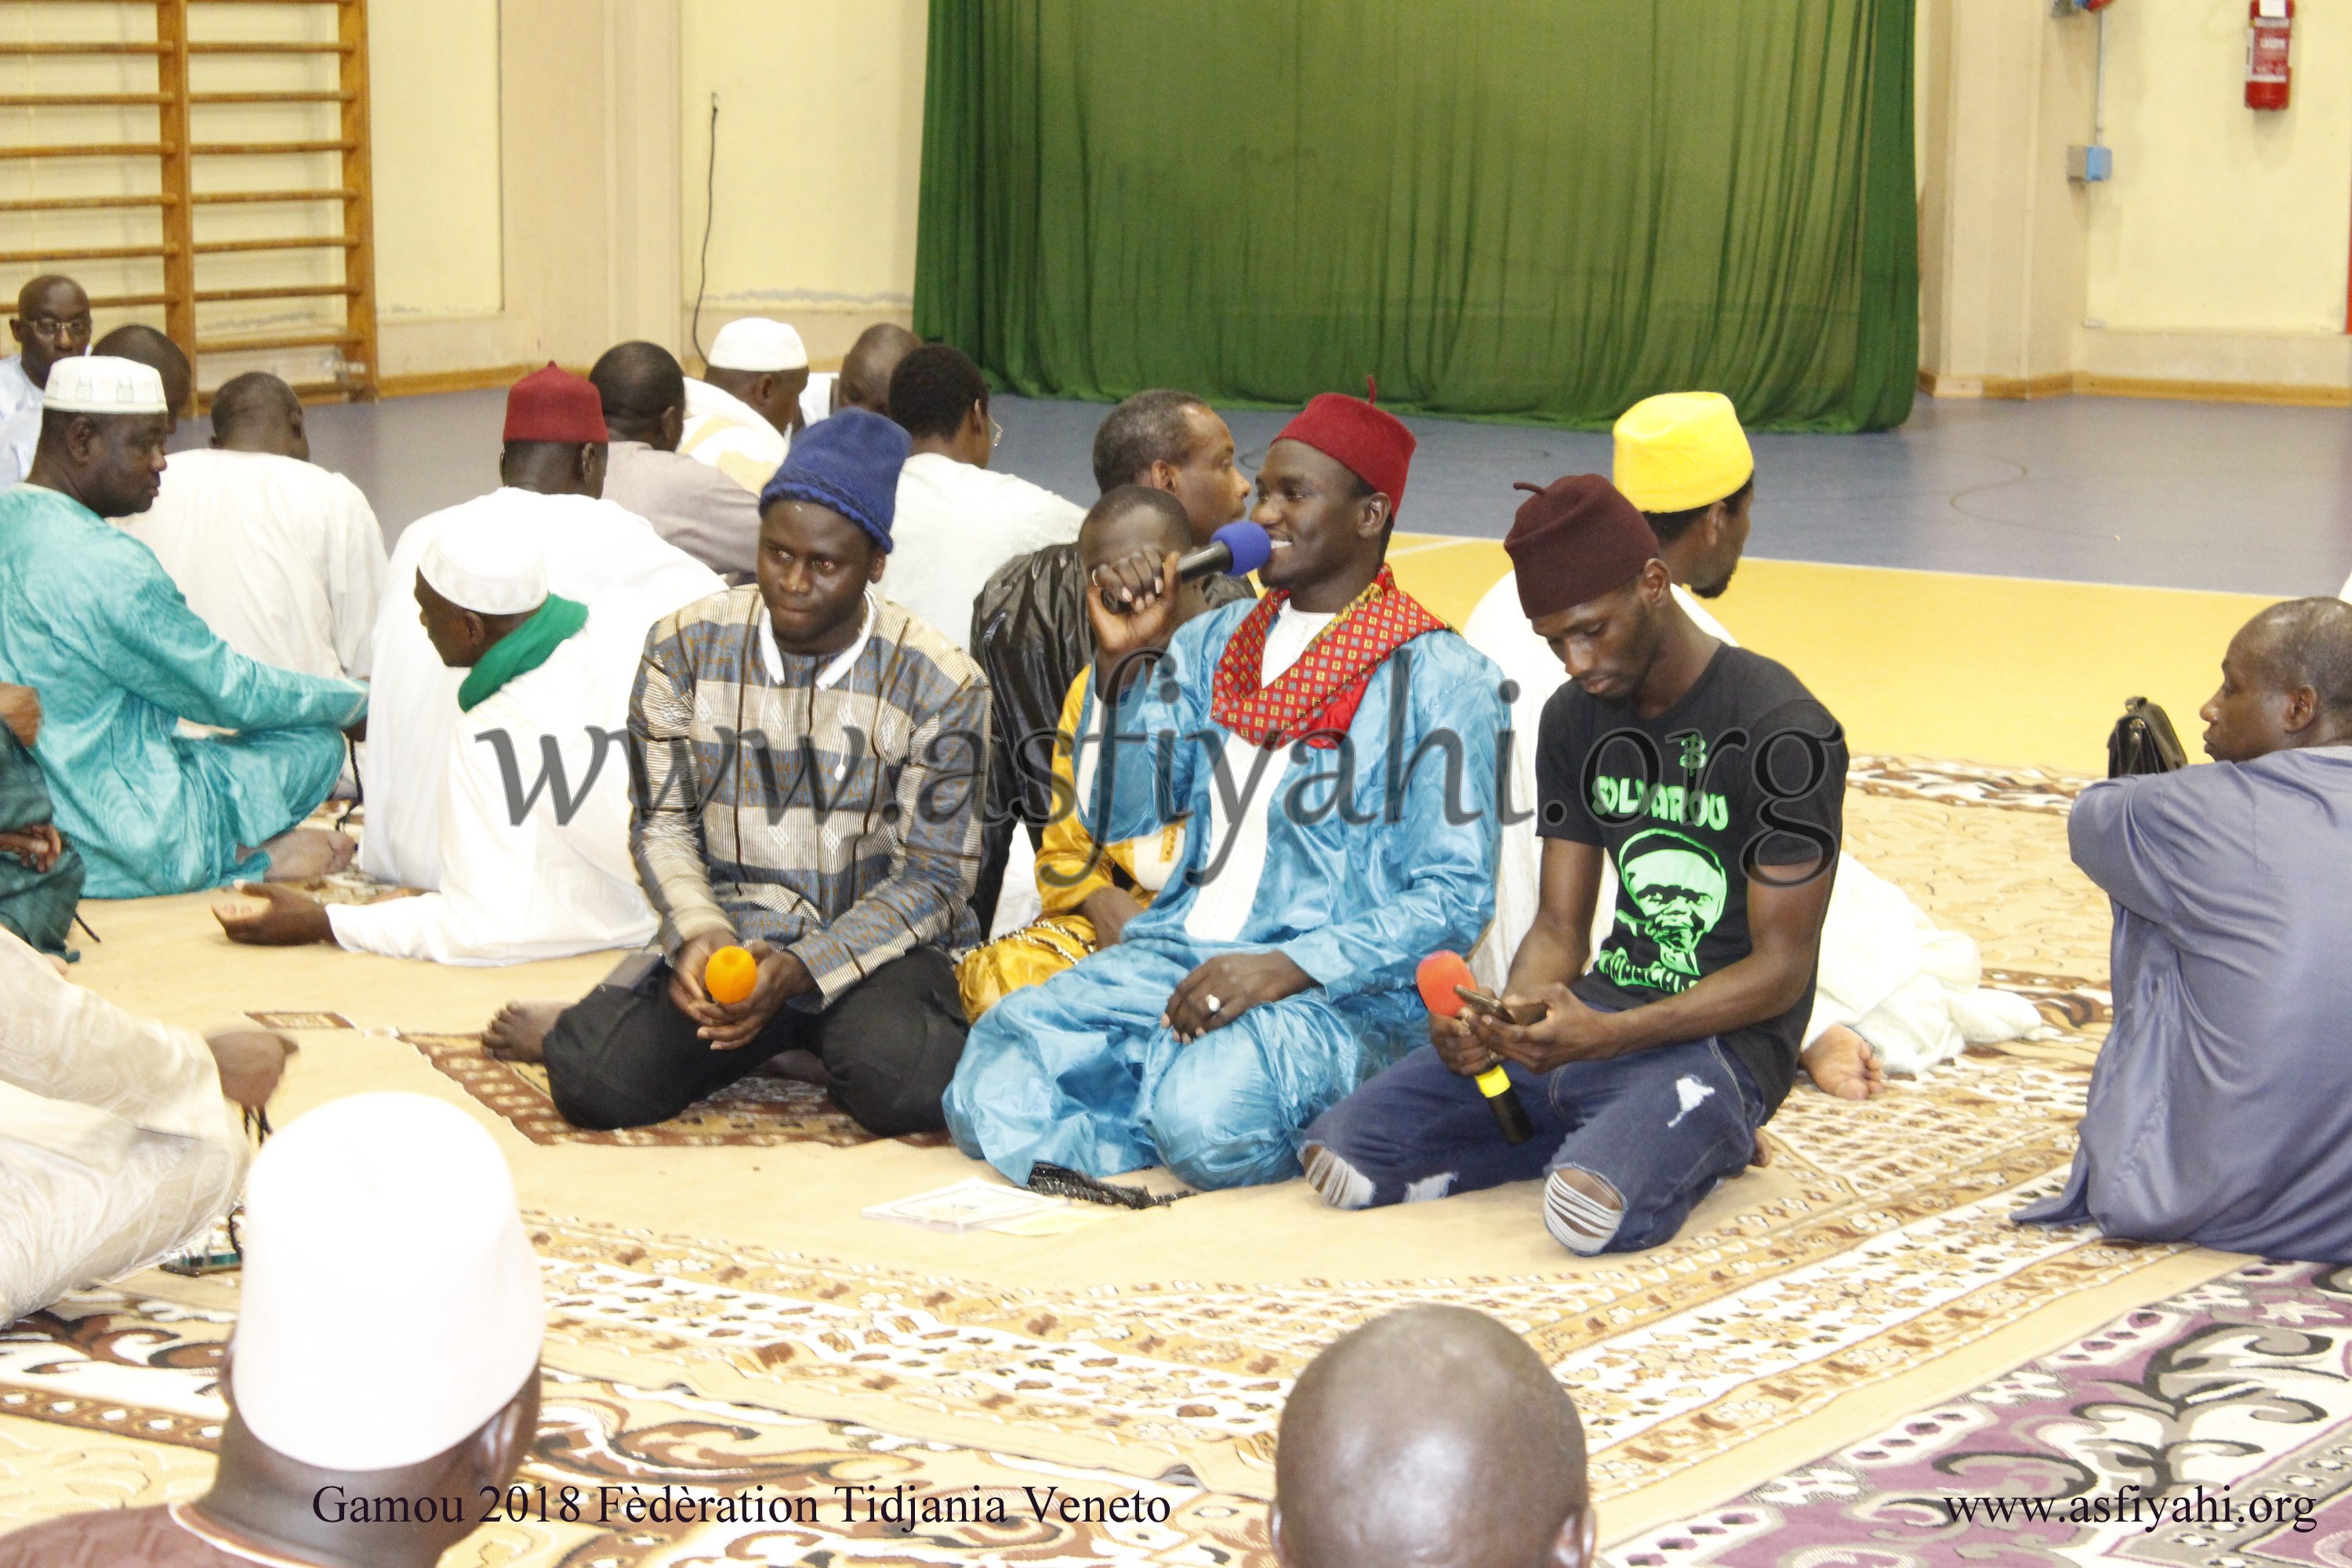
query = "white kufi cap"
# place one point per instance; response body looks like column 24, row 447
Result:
column 102, row 383
column 757, row 343
column 391, row 1303
column 490, row 571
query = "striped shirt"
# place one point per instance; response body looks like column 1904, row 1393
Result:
column 829, row 806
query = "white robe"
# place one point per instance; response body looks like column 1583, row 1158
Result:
column 117, row 1148
column 16, row 388
column 816, row 397
column 608, row 558
column 20, row 420
column 282, row 558
column 560, row 882
column 1886, row 972
column 1255, row 774
column 731, row 436
column 956, row 524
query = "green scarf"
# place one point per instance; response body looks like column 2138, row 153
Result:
column 521, row 650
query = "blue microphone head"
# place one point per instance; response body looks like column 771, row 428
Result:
column 1248, row 542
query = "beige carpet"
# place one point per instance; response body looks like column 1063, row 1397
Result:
column 1870, row 1271
column 113, row 1401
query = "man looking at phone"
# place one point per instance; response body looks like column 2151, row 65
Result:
column 1714, row 782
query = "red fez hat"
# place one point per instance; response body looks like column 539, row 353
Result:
column 1373, row 443
column 1575, row 540
column 553, row 405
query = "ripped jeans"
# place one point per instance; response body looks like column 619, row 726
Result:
column 1659, row 1128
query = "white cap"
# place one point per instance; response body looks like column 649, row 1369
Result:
column 757, row 343
column 490, row 571
column 391, row 1303
column 102, row 383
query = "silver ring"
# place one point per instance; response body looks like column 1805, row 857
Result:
column 1212, row 1004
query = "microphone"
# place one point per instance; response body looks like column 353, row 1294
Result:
column 1237, row 549
column 1437, row 976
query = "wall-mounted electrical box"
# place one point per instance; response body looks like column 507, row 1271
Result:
column 2089, row 165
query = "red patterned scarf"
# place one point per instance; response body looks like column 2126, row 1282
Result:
column 1322, row 690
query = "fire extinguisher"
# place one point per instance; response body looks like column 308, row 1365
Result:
column 2270, row 27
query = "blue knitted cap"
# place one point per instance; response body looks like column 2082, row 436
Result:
column 849, row 464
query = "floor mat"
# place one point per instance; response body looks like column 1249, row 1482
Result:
column 2212, row 1428
column 755, row 1111
column 111, row 1401
column 1870, row 1271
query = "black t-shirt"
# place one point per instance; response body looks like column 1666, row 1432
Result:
column 1746, row 773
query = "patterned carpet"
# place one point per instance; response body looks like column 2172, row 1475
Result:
column 1869, row 1272
column 111, row 1401
column 2237, row 1393
column 2233, row 1400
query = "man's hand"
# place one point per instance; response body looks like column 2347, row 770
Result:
column 1109, row 910
column 20, row 710
column 1237, row 982
column 685, row 991
column 36, row 847
column 1461, row 1051
column 781, row 977
column 283, row 917
column 1565, row 1031
column 251, row 1062
column 1146, row 590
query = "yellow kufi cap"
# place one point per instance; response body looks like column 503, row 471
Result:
column 1681, row 449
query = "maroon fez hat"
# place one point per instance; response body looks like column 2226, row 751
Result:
column 1372, row 443
column 553, row 405
column 1575, row 540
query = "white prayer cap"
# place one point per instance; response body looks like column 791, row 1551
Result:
column 490, row 571
column 757, row 343
column 102, row 383
column 391, row 1303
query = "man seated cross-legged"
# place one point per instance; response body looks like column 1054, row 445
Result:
column 1714, row 782
column 2217, row 1113
column 1334, row 747
column 807, row 760
column 534, row 809
column 89, row 620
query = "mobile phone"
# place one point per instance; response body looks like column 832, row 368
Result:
column 1493, row 1007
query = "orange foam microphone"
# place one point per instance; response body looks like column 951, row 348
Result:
column 729, row 975
column 1442, row 977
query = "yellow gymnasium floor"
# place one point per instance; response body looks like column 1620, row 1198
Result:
column 722, row 1318
column 2011, row 671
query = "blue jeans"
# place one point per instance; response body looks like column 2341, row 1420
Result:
column 1660, row 1127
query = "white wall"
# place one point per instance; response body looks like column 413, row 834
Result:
column 820, row 152
column 2222, row 218
column 434, row 82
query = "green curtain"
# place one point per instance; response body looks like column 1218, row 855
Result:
column 1529, row 209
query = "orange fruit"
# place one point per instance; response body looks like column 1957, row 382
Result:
column 729, row 975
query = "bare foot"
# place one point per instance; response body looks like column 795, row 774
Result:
column 1842, row 1064
column 520, row 1030
column 305, row 854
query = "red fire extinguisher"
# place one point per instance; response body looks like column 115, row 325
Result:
column 2270, row 28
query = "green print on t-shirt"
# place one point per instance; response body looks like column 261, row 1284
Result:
column 1616, row 797
column 1676, row 888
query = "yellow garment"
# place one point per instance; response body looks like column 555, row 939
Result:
column 1046, row 947
column 1681, row 449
